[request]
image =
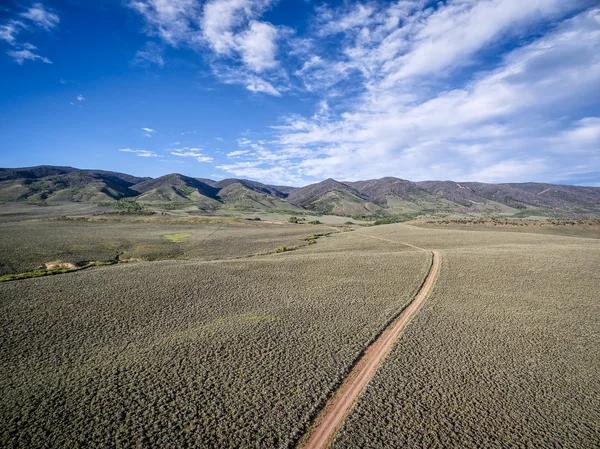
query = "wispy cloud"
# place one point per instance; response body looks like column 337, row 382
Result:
column 80, row 98
column 234, row 154
column 192, row 152
column 490, row 90
column 26, row 55
column 10, row 31
column 148, row 132
column 150, row 54
column 140, row 153
column 42, row 17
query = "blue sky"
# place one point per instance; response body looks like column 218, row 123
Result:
column 295, row 91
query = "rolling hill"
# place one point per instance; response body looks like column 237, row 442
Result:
column 332, row 196
column 389, row 195
column 176, row 188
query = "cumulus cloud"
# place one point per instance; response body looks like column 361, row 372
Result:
column 140, row 153
column 80, row 98
column 230, row 30
column 148, row 132
column 507, row 123
column 489, row 90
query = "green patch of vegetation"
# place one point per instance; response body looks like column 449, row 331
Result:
column 529, row 213
column 41, row 272
column 312, row 238
column 38, row 186
column 127, row 207
column 295, row 212
column 240, row 207
column 349, row 223
column 282, row 249
column 314, row 222
column 253, row 218
column 400, row 218
column 176, row 238
column 172, row 205
column 185, row 191
column 36, row 203
column 293, row 220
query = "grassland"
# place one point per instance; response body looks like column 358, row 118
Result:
column 29, row 244
column 194, row 353
column 503, row 354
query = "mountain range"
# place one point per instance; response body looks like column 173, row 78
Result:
column 389, row 195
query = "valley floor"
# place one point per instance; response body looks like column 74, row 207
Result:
column 225, row 332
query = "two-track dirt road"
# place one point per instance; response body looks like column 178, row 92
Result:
column 336, row 409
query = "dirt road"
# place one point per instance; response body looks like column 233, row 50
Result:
column 332, row 416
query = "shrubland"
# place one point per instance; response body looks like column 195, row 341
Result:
column 29, row 244
column 222, row 353
column 504, row 353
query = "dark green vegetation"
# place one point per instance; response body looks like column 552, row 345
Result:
column 373, row 198
column 191, row 353
column 503, row 354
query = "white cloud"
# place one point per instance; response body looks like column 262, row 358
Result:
column 150, row 54
column 257, row 46
column 220, row 139
column 506, row 124
column 192, row 152
column 238, row 153
column 255, row 84
column 358, row 16
column 218, row 21
column 148, row 132
column 26, row 55
column 583, row 138
column 229, row 28
column 171, row 20
column 43, row 18
column 9, row 31
column 80, row 98
column 140, row 153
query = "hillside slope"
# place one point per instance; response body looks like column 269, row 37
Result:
column 389, row 195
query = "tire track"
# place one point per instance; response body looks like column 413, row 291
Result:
column 331, row 418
